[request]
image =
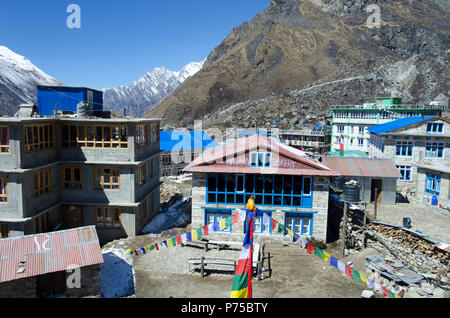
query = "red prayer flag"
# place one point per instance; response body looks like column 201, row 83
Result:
column 157, row 247
column 385, row 291
column 205, row 230
column 348, row 271
column 341, row 147
column 178, row 240
column 136, row 252
column 235, row 218
column 274, row 224
column 310, row 249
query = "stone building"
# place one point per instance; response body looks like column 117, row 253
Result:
column 62, row 172
column 351, row 123
column 57, row 264
column 288, row 186
column 411, row 141
column 433, row 179
column 316, row 139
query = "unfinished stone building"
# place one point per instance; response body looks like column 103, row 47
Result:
column 288, row 186
column 64, row 172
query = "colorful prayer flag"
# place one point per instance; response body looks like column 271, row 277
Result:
column 174, row 241
column 355, row 276
column 325, row 256
column 318, row 252
column 333, row 262
column 295, row 237
column 170, row 243
column 348, row 271
column 189, row 236
column 341, row 266
column 222, row 224
column 310, row 249
column 216, row 226
column 304, row 242
column 199, row 232
column 280, row 228
column 194, row 235
column 205, row 230
column 183, row 238
column 242, row 281
column 274, row 224
column 178, row 240
column 235, row 218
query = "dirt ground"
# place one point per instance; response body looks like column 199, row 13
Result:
column 295, row 274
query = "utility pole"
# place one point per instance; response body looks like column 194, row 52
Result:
column 344, row 228
column 376, row 200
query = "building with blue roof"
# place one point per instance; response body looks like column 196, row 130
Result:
column 181, row 147
column 412, row 142
column 351, row 123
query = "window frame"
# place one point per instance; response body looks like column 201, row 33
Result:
column 38, row 142
column 218, row 215
column 302, row 217
column 142, row 174
column 42, row 187
column 432, row 149
column 437, row 128
column 84, row 140
column 401, row 145
column 256, row 155
column 4, row 189
column 101, row 185
column 72, row 177
column 43, row 222
column 405, row 169
column 429, row 179
column 4, row 225
column 5, row 146
column 105, row 223
column 143, row 209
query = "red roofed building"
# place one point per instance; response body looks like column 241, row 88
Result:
column 289, row 186
column 64, row 263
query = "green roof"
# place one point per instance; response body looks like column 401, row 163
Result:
column 349, row 154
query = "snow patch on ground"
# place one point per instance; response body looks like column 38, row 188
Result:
column 173, row 218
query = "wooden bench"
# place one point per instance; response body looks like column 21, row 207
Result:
column 203, row 262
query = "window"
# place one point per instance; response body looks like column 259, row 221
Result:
column 299, row 223
column 3, row 190
column 404, row 148
column 4, row 140
column 94, row 136
column 360, row 142
column 361, row 129
column 142, row 174
column 340, row 114
column 340, row 128
column 38, row 137
column 143, row 209
column 41, row 182
column 258, row 225
column 167, row 160
column 43, row 222
column 260, row 159
column 434, row 150
column 433, row 184
column 212, row 216
column 154, row 135
column 405, row 171
column 71, row 177
column 4, row 230
column 269, row 190
column 107, row 178
column 108, row 216
column 141, row 137
column 435, row 127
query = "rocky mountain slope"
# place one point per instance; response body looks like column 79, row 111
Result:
column 298, row 57
column 143, row 94
column 18, row 80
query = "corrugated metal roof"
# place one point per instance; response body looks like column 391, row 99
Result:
column 397, row 124
column 190, row 140
column 49, row 252
column 362, row 167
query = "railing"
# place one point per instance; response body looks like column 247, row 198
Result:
column 392, row 107
column 323, row 132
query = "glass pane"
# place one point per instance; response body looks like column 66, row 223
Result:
column 77, row 174
column 211, row 182
column 249, row 183
column 297, row 185
column 278, row 184
column 221, row 182
column 306, row 185
column 268, row 184
column 287, row 184
column 305, row 229
column 277, row 200
column 260, row 160
column 221, row 198
column 297, row 224
column 231, row 182
column 240, row 183
column 211, row 197
column 258, row 183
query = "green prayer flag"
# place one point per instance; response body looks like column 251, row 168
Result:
column 318, row 252
column 151, row 247
column 356, row 276
column 174, row 241
column 391, row 294
column 280, row 228
column 228, row 221
column 200, row 232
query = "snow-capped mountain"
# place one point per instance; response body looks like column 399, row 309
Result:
column 145, row 93
column 18, row 81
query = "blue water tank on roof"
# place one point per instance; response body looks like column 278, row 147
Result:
column 67, row 98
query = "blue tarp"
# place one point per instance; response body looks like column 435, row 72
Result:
column 180, row 140
column 397, row 124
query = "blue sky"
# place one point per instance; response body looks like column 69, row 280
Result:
column 119, row 41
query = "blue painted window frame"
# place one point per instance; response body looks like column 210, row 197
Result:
column 218, row 215
column 435, row 127
column 403, row 171
column 269, row 212
column 433, row 179
column 264, row 198
column 300, row 215
column 434, row 150
column 404, row 148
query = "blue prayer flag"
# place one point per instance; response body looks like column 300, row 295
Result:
column 333, row 262
column 189, row 236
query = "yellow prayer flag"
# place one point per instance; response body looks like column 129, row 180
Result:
column 325, row 256
column 194, row 235
column 222, row 224
column 363, row 278
column 290, row 232
column 170, row 243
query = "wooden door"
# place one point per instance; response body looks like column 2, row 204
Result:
column 72, row 216
column 376, row 184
